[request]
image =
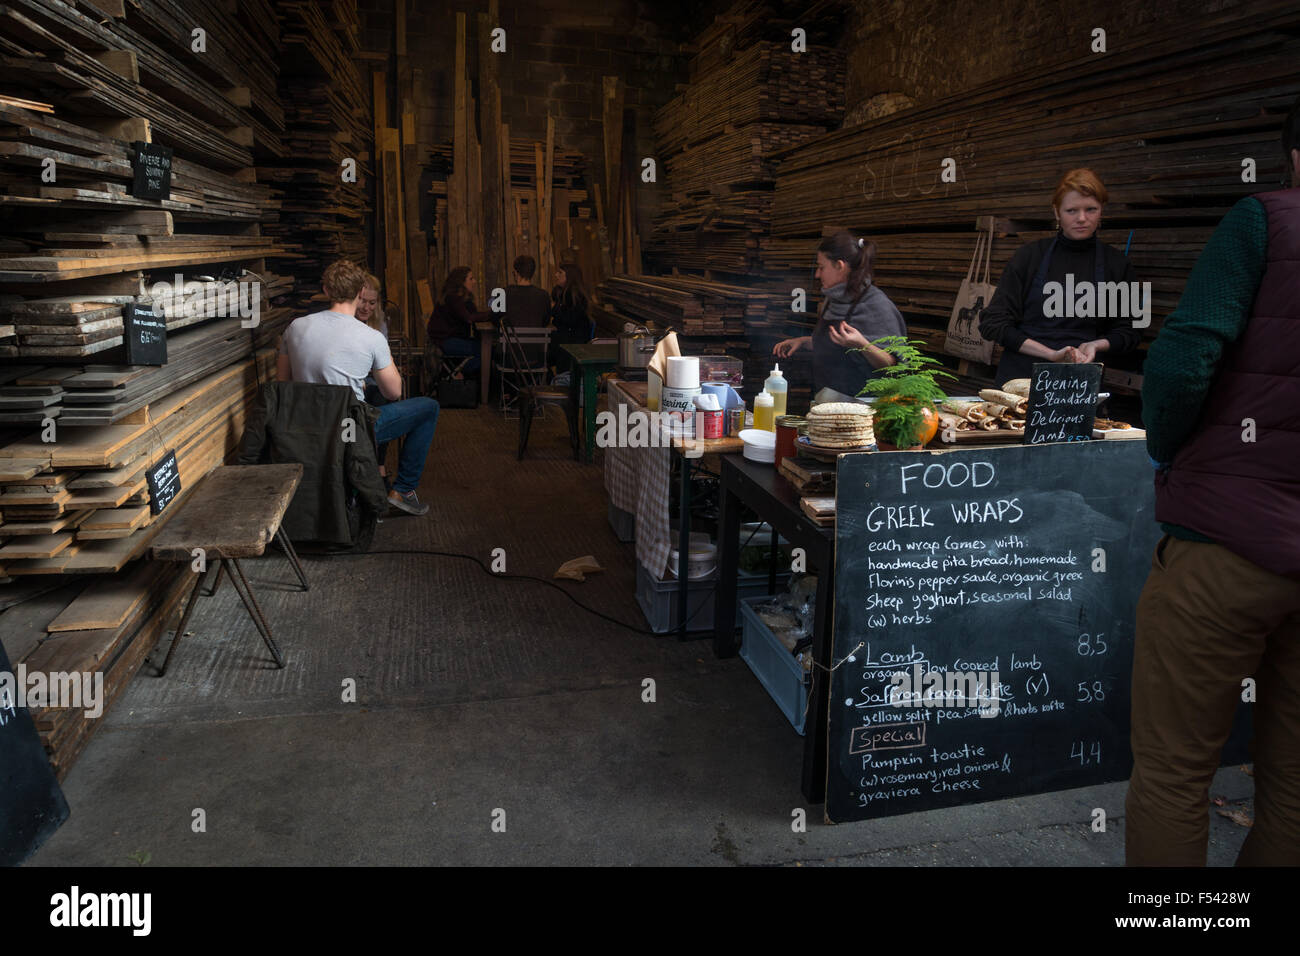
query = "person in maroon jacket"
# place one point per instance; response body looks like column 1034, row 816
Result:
column 451, row 327
column 1219, row 617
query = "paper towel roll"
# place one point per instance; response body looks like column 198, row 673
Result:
column 683, row 371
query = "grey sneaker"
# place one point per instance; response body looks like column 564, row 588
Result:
column 407, row 502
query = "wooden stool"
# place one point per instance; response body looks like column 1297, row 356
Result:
column 234, row 513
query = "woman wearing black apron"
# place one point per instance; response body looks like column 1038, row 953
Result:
column 1034, row 325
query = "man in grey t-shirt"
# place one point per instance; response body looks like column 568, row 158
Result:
column 335, row 348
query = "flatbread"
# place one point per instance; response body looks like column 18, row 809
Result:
column 1017, row 386
column 855, row 409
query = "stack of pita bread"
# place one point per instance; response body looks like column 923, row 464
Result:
column 840, row 425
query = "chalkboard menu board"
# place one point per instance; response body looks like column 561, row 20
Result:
column 144, row 332
column 164, row 481
column 1062, row 402
column 152, row 166
column 985, row 604
column 32, row 806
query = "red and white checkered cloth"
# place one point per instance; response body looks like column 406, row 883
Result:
column 638, row 480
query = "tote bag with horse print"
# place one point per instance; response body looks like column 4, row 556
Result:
column 976, row 292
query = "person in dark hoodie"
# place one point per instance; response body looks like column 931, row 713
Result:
column 1221, row 405
column 854, row 313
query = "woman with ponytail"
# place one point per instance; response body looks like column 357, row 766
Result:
column 854, row 312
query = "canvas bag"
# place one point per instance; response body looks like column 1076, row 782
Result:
column 976, row 292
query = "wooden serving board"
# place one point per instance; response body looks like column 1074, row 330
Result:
column 981, row 437
column 1119, row 434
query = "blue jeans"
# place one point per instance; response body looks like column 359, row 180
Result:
column 416, row 418
column 462, row 348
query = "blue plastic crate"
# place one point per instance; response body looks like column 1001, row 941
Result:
column 775, row 667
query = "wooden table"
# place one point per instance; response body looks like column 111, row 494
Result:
column 760, row 487
column 487, row 337
column 234, row 513
column 588, row 363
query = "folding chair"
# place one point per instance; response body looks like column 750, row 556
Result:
column 531, row 392
column 522, row 362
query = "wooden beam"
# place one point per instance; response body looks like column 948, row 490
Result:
column 490, row 115
column 121, row 62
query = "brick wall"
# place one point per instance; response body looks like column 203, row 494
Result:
column 928, row 49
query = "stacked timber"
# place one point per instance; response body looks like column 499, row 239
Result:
column 141, row 67
column 573, row 222
column 104, row 627
column 80, row 428
column 751, row 97
column 329, row 144
column 1181, row 114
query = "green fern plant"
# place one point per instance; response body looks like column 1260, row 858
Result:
column 904, row 391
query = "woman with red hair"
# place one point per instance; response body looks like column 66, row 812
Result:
column 1034, row 325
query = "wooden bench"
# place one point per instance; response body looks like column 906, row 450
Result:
column 234, row 513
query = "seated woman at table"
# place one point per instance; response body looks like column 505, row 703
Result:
column 370, row 309
column 1018, row 318
column 569, row 304
column 854, row 313
column 451, row 327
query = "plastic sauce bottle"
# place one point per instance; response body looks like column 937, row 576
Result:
column 776, row 386
column 764, row 414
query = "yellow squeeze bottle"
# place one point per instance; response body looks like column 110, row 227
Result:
column 777, row 387
column 764, row 413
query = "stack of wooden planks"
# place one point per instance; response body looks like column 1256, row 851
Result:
column 328, row 158
column 80, row 503
column 751, row 97
column 100, row 627
column 1166, row 123
column 140, row 67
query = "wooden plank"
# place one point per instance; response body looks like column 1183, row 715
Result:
column 234, row 513
column 35, row 546
column 107, row 602
column 494, row 232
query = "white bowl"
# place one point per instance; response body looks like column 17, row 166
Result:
column 760, row 445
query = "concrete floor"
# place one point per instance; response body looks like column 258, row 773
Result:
column 482, row 700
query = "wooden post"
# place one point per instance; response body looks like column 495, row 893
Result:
column 490, row 195
column 612, row 120
column 458, row 183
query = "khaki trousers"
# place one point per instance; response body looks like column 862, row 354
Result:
column 1206, row 620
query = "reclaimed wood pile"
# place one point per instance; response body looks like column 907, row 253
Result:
column 328, row 122
column 102, row 627
column 1166, row 122
column 718, row 138
column 79, row 428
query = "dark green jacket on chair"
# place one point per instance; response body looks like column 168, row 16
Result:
column 331, row 433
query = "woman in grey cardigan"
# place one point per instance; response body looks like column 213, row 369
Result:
column 854, row 312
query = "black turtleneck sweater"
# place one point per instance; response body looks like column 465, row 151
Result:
column 1001, row 321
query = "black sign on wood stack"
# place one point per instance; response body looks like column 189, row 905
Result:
column 164, row 481
column 152, row 166
column 985, row 609
column 32, row 806
column 144, row 333
column 1062, row 402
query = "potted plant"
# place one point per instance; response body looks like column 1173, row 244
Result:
column 904, row 414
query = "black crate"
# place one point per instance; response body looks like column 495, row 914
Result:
column 458, row 393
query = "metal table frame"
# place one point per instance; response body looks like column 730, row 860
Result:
column 760, row 488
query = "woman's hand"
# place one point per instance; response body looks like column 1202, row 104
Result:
column 1089, row 351
column 847, row 336
column 787, row 347
column 1066, row 355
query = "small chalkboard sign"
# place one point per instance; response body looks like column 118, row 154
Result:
column 152, row 166
column 1062, row 402
column 144, row 333
column 32, row 806
column 164, row 481
column 985, row 617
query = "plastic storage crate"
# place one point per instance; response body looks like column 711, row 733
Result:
column 775, row 667
column 623, row 523
column 658, row 599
